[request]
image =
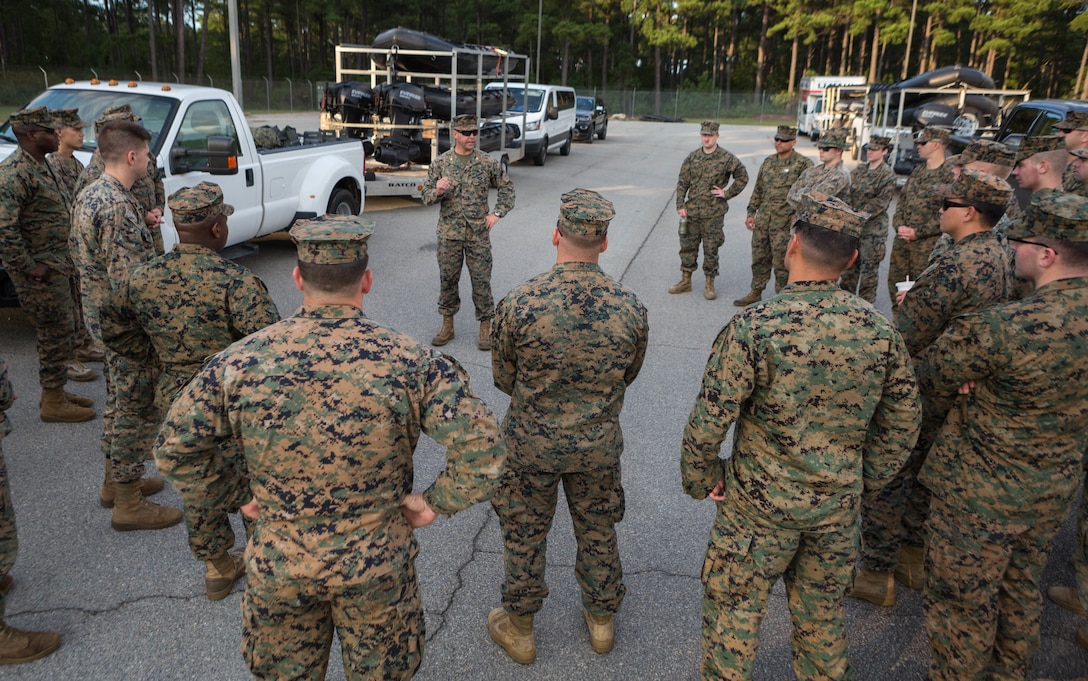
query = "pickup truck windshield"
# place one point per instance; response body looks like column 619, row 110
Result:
column 156, row 112
column 586, row 105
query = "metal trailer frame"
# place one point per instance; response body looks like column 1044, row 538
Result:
column 408, row 180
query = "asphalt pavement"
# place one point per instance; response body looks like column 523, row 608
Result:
column 132, row 606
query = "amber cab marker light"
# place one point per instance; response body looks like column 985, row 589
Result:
column 69, row 81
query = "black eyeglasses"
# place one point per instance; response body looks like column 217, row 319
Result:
column 469, row 133
column 825, row 148
column 1025, row 241
column 949, row 203
column 780, row 139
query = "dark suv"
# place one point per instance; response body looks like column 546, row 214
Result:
column 591, row 118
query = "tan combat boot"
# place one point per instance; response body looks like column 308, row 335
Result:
column 682, row 286
column 56, row 408
column 601, row 636
column 709, row 293
column 1067, row 597
column 1082, row 637
column 108, row 493
column 911, row 571
column 445, row 334
column 876, row 587
column 753, row 296
column 132, row 512
column 514, row 633
column 92, row 352
column 485, row 335
column 221, row 572
column 18, row 646
column 78, row 371
column 78, row 400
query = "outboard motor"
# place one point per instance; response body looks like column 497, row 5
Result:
column 403, row 104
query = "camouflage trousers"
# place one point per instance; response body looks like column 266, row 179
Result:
column 769, row 240
column 82, row 336
column 525, row 504
column 48, row 305
column 909, row 258
column 131, row 421
column 744, row 559
column 287, row 628
column 9, row 540
column 708, row 232
column 1080, row 551
column 982, row 603
column 452, row 253
column 862, row 278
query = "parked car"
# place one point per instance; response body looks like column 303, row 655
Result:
column 200, row 133
column 591, row 118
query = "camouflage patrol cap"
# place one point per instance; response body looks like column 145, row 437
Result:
column 986, row 151
column 833, row 138
column 1053, row 213
column 1029, row 146
column 332, row 239
column 931, row 133
column 121, row 112
column 975, row 185
column 465, row 122
column 1073, row 120
column 69, row 118
column 878, row 142
column 786, row 132
column 584, row 212
column 1080, row 153
column 831, row 212
column 196, row 204
column 709, row 128
column 38, row 115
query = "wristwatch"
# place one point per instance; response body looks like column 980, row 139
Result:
column 496, row 214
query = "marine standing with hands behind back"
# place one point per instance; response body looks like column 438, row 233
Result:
column 703, row 192
column 461, row 178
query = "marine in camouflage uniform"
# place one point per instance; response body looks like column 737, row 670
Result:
column 769, row 215
column 148, row 190
column 822, row 392
column 35, row 220
column 830, row 177
column 709, row 178
column 109, row 237
column 1074, row 130
column 872, row 187
column 970, row 276
column 329, row 407
column 16, row 646
column 460, row 179
column 916, row 213
column 565, row 346
column 1006, row 464
column 192, row 303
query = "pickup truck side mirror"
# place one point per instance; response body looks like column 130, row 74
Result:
column 221, row 153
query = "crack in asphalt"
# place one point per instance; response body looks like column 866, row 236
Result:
column 92, row 612
column 440, row 614
column 638, row 251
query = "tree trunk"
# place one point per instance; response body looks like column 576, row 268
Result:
column 715, row 71
column 179, row 39
column 910, row 40
column 847, row 48
column 793, row 62
column 874, row 57
column 928, row 47
column 1082, row 80
column 565, row 61
column 268, row 40
column 203, row 49
column 151, row 13
column 764, row 50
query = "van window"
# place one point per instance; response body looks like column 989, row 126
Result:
column 535, row 100
column 566, row 99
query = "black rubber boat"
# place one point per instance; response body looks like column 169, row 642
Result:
column 471, row 59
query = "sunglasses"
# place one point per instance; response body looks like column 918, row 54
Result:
column 469, row 133
column 781, row 139
column 949, row 203
column 825, row 148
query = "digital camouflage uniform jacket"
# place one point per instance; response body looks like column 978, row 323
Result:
column 699, row 173
column 1010, row 453
column 567, row 343
column 971, row 275
column 465, row 203
column 35, row 216
column 7, row 398
column 920, row 200
column 822, row 392
column 833, row 180
column 872, row 191
column 108, row 238
column 68, row 170
column 191, row 303
column 768, row 201
column 329, row 407
column 148, row 191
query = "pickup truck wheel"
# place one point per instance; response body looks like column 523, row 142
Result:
column 603, row 132
column 592, row 132
column 541, row 155
column 343, row 202
column 565, row 149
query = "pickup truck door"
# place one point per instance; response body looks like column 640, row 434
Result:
column 200, row 120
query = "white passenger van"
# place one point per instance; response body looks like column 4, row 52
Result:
column 549, row 117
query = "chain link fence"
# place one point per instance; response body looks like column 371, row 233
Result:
column 19, row 86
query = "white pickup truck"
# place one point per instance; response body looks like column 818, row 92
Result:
column 200, row 133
